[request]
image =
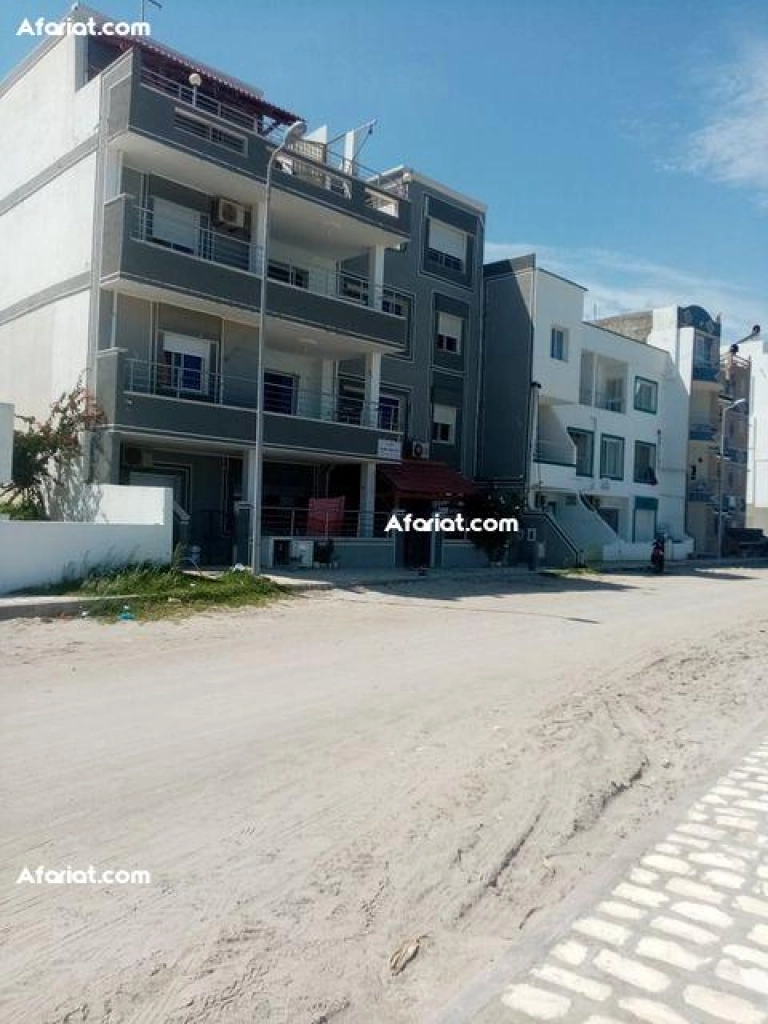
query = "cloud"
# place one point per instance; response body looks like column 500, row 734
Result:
column 621, row 283
column 731, row 145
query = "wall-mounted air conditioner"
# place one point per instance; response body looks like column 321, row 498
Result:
column 416, row 449
column 228, row 214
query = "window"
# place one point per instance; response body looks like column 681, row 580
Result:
column 558, row 344
column 645, row 463
column 447, row 245
column 279, row 393
column 612, row 398
column 284, row 272
column 612, row 457
column 175, row 226
column 450, row 330
column 184, row 366
column 394, row 303
column 587, row 378
column 646, row 395
column 585, row 450
column 444, row 424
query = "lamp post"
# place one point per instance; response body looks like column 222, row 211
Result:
column 294, row 132
column 721, row 488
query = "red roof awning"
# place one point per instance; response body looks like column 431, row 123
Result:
column 423, row 478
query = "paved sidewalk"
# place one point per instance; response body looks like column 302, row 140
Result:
column 681, row 939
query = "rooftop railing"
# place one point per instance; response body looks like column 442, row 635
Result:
column 307, row 153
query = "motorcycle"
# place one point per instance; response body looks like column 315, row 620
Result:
column 657, row 556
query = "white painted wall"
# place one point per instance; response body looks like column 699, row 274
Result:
column 45, row 98
column 757, row 470
column 131, row 525
column 6, row 443
column 43, row 353
column 560, row 303
column 49, row 234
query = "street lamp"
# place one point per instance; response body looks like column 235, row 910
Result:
column 294, row 132
column 721, row 488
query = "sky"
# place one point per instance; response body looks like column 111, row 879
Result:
column 625, row 142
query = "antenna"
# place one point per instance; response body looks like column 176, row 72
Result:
column 155, row 3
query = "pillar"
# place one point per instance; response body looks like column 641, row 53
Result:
column 367, row 498
column 372, row 389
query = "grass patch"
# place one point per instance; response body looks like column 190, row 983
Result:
column 159, row 592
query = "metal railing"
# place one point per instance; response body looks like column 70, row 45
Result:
column 225, row 249
column 602, row 399
column 315, row 157
column 204, row 242
column 201, row 100
column 199, row 384
column 279, row 521
column 701, row 493
column 702, row 432
column 709, row 371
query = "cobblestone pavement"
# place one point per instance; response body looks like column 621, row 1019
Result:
column 683, row 937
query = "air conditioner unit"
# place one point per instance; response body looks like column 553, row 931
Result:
column 416, row 449
column 229, row 214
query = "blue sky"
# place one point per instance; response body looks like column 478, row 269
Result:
column 627, row 143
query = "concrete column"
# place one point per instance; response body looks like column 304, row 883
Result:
column 327, row 389
column 250, row 478
column 376, row 275
column 367, row 498
column 372, row 388
column 254, row 263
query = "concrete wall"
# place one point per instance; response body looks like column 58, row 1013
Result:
column 757, row 478
column 462, row 554
column 131, row 525
column 6, row 443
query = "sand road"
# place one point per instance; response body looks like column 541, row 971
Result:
column 313, row 784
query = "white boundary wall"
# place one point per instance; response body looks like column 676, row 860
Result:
column 6, row 443
column 131, row 525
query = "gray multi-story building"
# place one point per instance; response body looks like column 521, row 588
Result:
column 143, row 172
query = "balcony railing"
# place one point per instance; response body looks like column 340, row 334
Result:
column 279, row 521
column 199, row 240
column 601, row 399
column 702, row 432
column 203, row 242
column 701, row 493
column 191, row 380
column 309, row 158
column 706, row 371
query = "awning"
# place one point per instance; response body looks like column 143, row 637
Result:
column 424, row 478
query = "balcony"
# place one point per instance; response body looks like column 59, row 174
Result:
column 702, row 432
column 190, row 401
column 701, row 493
column 148, row 106
column 706, row 371
column 219, row 267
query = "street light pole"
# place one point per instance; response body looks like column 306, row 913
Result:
column 721, row 487
column 294, row 132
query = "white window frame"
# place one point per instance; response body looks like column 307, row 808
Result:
column 449, row 242
column 563, row 331
column 444, row 416
column 450, row 332
column 196, row 348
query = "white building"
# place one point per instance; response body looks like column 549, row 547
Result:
column 757, row 467
column 715, row 377
column 608, row 422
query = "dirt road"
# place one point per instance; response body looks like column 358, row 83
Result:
column 314, row 784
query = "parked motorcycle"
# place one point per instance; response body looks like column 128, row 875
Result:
column 657, row 555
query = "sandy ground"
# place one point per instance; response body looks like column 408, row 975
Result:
column 313, row 784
